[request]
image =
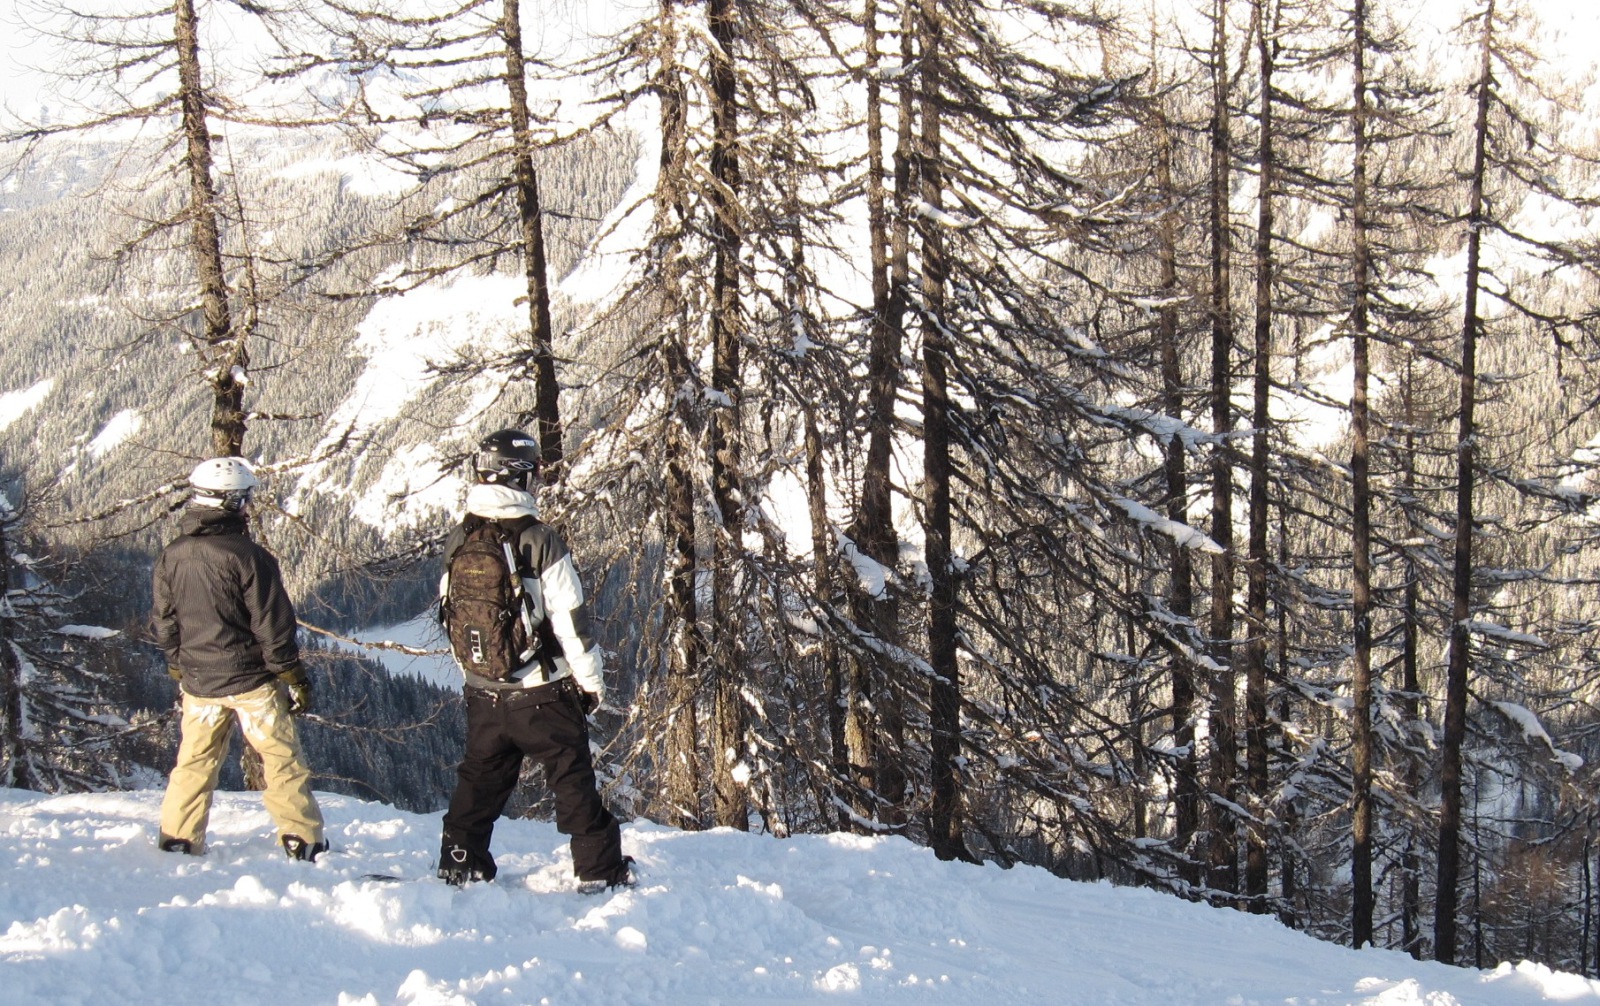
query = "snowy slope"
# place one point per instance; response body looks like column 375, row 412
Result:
column 91, row 913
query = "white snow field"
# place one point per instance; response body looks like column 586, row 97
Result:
column 92, row 913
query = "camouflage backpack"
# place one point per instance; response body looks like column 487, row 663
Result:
column 485, row 609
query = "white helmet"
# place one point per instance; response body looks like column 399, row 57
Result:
column 224, row 483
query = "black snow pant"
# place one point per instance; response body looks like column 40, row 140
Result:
column 547, row 725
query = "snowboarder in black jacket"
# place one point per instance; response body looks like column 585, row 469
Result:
column 226, row 626
column 540, row 708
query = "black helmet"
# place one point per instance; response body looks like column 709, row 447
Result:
column 507, row 457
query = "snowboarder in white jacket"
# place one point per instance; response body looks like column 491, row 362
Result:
column 540, row 709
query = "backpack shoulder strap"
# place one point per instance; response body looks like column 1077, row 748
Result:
column 515, row 529
column 517, row 526
column 512, row 529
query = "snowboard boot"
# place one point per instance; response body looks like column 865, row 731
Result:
column 459, row 867
column 620, row 876
column 182, row 845
column 299, row 849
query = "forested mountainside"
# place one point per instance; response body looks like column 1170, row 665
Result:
column 1151, row 441
column 105, row 399
column 104, row 410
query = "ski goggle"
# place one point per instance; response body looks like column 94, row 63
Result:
column 232, row 500
column 501, row 464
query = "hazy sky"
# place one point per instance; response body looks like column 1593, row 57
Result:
column 23, row 48
column 21, row 86
column 1572, row 37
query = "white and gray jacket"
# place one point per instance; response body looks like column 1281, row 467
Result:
column 555, row 594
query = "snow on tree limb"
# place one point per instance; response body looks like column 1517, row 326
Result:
column 1183, row 534
column 1525, row 720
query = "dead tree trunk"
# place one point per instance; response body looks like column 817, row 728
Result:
column 1180, row 591
column 226, row 355
column 729, row 805
column 1459, row 664
column 224, row 348
column 873, row 738
column 547, row 392
column 1222, row 846
column 14, row 772
column 686, row 648
column 1410, row 641
column 945, row 819
column 1258, row 565
column 1361, row 810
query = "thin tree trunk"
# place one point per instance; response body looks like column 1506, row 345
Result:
column 1596, row 942
column 1410, row 639
column 1361, row 899
column 945, row 825
column 685, row 646
column 1180, row 590
column 1588, row 899
column 1258, row 566
column 822, row 581
column 1138, row 714
column 1459, row 662
column 13, row 753
column 889, row 702
column 1477, row 879
column 873, row 532
column 226, row 354
column 1288, row 813
column 730, row 806
column 547, row 393
column 1223, row 871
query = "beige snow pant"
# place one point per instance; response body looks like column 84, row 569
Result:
column 263, row 715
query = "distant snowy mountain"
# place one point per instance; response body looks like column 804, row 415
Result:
column 91, row 912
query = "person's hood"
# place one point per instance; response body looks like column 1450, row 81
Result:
column 497, row 502
column 211, row 520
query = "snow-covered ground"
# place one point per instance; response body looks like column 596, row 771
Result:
column 92, row 913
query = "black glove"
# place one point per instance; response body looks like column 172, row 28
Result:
column 588, row 702
column 175, row 672
column 299, row 686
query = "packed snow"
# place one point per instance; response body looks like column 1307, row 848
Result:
column 92, row 913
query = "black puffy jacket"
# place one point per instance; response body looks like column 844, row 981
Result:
column 221, row 614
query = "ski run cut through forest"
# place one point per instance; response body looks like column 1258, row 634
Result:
column 92, row 913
